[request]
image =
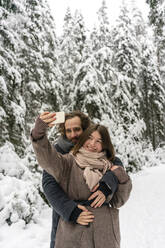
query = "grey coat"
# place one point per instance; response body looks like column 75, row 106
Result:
column 104, row 231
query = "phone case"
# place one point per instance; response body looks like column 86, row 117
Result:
column 60, row 118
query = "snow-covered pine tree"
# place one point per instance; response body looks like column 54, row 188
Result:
column 37, row 59
column 29, row 82
column 126, row 60
column 153, row 94
column 138, row 22
column 65, row 62
column 157, row 21
column 90, row 95
column 72, row 52
column 94, row 39
column 100, row 36
column 156, row 15
column 125, row 95
column 29, row 73
column 12, row 105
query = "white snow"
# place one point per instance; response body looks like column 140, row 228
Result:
column 33, row 235
column 142, row 219
column 19, row 197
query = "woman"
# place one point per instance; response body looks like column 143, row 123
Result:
column 78, row 173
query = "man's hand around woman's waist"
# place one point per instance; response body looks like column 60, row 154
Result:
column 86, row 217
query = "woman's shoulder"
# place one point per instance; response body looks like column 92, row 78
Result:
column 69, row 157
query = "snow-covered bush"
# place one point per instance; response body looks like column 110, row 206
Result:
column 19, row 196
column 130, row 148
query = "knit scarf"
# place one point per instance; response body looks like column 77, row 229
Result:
column 94, row 164
column 64, row 144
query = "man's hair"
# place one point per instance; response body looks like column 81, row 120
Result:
column 85, row 121
column 106, row 140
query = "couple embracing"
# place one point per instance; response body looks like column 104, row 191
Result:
column 83, row 180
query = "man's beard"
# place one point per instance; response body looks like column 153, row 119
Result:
column 75, row 140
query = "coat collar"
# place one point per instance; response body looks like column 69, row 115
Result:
column 64, row 144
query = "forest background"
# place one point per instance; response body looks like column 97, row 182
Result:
column 113, row 73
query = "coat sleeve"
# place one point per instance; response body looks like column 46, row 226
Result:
column 57, row 197
column 49, row 159
column 110, row 179
column 117, row 161
column 57, row 167
column 122, row 194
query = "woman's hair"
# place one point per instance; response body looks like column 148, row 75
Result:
column 85, row 121
column 106, row 140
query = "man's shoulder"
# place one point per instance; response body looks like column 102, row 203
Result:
column 117, row 161
column 63, row 145
column 59, row 149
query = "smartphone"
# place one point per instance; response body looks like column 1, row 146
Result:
column 60, row 118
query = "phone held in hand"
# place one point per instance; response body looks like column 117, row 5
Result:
column 60, row 118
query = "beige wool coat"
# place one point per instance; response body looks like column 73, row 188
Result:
column 104, row 231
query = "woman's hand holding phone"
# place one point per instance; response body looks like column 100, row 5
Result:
column 52, row 118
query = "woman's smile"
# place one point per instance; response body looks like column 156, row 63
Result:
column 94, row 143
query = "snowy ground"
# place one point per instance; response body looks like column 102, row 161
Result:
column 142, row 218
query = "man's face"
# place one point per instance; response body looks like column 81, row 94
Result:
column 73, row 129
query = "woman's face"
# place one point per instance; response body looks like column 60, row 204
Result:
column 94, row 143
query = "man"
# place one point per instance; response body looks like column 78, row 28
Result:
column 75, row 123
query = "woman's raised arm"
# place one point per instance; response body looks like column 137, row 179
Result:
column 48, row 158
